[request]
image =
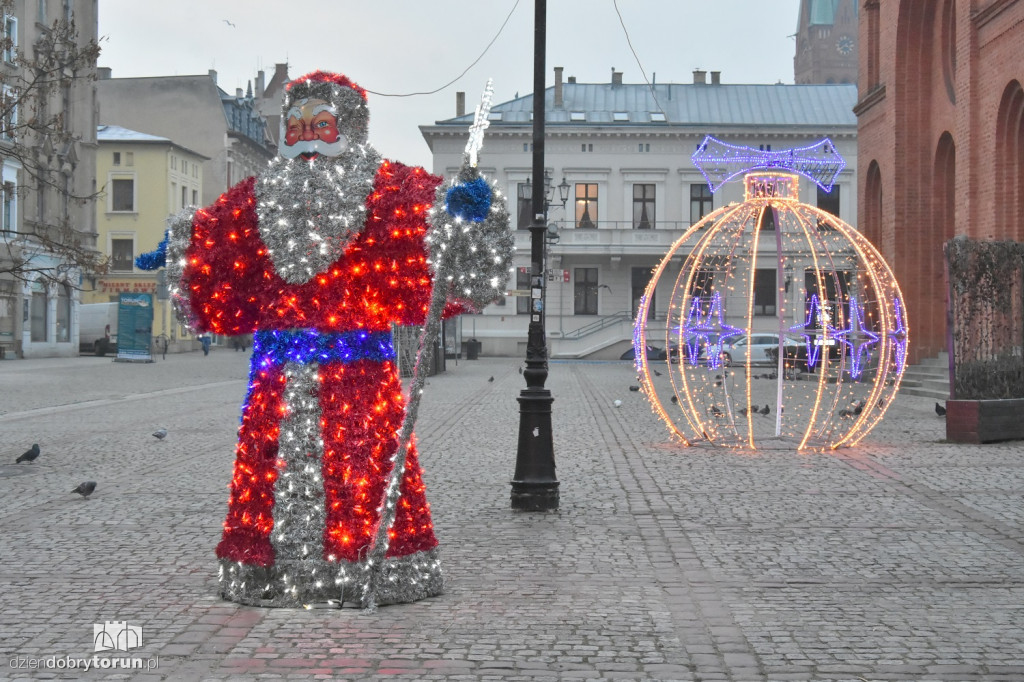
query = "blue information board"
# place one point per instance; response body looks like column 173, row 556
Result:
column 134, row 328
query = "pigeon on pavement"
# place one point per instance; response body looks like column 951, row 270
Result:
column 85, row 489
column 940, row 410
column 29, row 455
column 765, row 410
column 160, row 434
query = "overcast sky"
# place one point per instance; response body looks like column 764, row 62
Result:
column 401, row 46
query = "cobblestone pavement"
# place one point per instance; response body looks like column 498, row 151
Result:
column 901, row 559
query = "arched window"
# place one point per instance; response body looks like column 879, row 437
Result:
column 1009, row 147
column 873, row 205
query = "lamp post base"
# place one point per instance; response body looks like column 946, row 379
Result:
column 534, row 486
column 532, row 497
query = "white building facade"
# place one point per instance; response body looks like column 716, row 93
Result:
column 624, row 151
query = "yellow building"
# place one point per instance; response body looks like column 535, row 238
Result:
column 143, row 179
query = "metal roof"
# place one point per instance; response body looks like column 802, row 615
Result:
column 108, row 133
column 686, row 104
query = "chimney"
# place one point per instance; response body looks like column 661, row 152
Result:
column 716, row 77
column 238, row 93
column 558, row 87
column 261, row 83
column 460, row 104
column 572, row 79
column 213, row 75
column 700, row 77
column 616, row 77
column 103, row 73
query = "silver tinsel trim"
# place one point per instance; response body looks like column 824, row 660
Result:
column 474, row 258
column 312, row 582
column 299, row 509
column 310, row 211
column 179, row 236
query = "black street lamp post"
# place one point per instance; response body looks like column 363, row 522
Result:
column 534, row 486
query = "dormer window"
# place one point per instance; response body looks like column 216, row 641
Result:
column 620, row 117
column 577, row 116
column 657, row 117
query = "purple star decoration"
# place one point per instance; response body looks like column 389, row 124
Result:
column 698, row 331
column 810, row 330
column 857, row 338
column 899, row 336
column 720, row 162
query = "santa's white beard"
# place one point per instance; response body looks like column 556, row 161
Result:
column 309, row 212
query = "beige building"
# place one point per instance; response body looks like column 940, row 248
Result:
column 194, row 112
column 38, row 300
column 144, row 179
column 623, row 152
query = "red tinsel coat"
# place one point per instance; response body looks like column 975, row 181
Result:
column 382, row 278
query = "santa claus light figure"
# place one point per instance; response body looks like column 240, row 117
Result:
column 317, row 258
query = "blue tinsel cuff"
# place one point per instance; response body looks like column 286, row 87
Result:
column 152, row 260
column 469, row 200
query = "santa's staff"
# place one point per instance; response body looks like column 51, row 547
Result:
column 467, row 198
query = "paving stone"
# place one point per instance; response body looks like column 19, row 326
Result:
column 898, row 559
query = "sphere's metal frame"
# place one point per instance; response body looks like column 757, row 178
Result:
column 827, row 400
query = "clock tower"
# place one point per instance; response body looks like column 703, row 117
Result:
column 826, row 42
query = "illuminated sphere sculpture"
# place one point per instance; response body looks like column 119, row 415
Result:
column 773, row 269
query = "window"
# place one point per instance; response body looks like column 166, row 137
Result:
column 643, row 147
column 8, row 215
column 524, row 206
column 122, row 194
column 585, row 291
column 640, row 277
column 184, row 167
column 764, row 291
column 701, row 202
column 184, row 196
column 65, row 105
column 657, row 117
column 586, row 206
column 39, row 315
column 8, row 307
column 577, row 116
column 620, row 117
column 117, row 158
column 643, row 206
column 10, row 34
column 41, row 15
column 829, row 201
column 174, row 162
column 9, row 110
column 195, row 197
column 129, row 158
column 586, row 147
column 523, row 283
column 67, row 10
column 63, row 313
column 122, row 255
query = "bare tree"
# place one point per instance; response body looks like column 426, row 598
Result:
column 38, row 83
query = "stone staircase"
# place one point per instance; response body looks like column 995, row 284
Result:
column 928, row 378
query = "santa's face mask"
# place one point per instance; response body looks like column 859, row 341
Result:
column 311, row 129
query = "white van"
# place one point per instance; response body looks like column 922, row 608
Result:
column 97, row 328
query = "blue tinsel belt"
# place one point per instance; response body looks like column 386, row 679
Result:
column 308, row 345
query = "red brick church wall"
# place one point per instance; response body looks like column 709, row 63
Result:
column 934, row 76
